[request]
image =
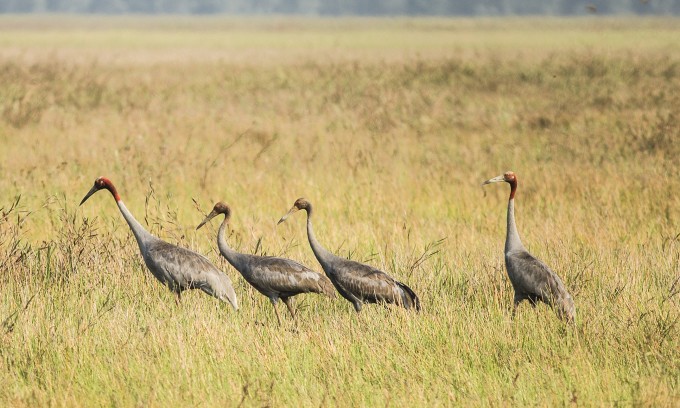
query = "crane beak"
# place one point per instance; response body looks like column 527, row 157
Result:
column 496, row 179
column 93, row 190
column 208, row 218
column 291, row 211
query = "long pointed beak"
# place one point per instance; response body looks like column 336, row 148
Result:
column 291, row 211
column 208, row 218
column 93, row 190
column 496, row 179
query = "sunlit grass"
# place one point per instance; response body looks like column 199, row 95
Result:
column 388, row 127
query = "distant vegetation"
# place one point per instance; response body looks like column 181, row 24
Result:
column 389, row 126
column 352, row 7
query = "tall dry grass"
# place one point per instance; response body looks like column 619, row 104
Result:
column 390, row 138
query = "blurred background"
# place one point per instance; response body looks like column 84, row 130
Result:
column 349, row 8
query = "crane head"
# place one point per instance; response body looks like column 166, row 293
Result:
column 299, row 204
column 219, row 208
column 508, row 177
column 99, row 184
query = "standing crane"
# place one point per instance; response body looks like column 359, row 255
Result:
column 356, row 282
column 175, row 267
column 532, row 279
column 276, row 278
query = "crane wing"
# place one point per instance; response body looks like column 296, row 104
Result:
column 532, row 278
column 369, row 284
column 188, row 269
column 284, row 276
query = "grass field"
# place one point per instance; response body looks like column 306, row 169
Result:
column 389, row 127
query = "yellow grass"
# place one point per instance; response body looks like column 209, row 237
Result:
column 388, row 127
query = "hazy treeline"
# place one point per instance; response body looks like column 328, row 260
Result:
column 347, row 7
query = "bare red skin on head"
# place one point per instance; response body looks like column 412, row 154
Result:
column 513, row 188
column 107, row 184
column 511, row 179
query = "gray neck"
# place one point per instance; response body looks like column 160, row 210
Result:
column 512, row 241
column 234, row 258
column 322, row 255
column 142, row 235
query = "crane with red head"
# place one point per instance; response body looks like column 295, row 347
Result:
column 531, row 279
column 175, row 267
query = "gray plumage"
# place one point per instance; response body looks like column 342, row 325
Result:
column 356, row 282
column 177, row 268
column 276, row 278
column 531, row 279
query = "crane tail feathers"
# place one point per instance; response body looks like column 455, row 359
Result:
column 326, row 287
column 414, row 301
column 566, row 309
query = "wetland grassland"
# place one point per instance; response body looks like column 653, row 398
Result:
column 389, row 127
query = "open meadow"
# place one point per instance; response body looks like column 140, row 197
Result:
column 388, row 127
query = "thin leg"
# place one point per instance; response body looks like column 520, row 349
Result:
column 515, row 304
column 289, row 304
column 178, row 299
column 276, row 310
column 357, row 309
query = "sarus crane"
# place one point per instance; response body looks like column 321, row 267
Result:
column 177, row 268
column 356, row 282
column 531, row 278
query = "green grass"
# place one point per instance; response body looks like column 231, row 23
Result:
column 388, row 127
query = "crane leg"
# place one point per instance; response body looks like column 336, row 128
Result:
column 358, row 313
column 516, row 301
column 276, row 310
column 289, row 304
column 515, row 305
column 178, row 299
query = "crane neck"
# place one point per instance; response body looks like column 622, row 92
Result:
column 322, row 254
column 513, row 188
column 141, row 234
column 512, row 240
column 113, row 191
column 226, row 251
